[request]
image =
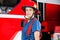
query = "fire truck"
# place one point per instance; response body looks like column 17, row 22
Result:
column 11, row 16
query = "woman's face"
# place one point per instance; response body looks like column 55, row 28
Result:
column 29, row 12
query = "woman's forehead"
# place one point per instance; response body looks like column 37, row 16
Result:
column 28, row 8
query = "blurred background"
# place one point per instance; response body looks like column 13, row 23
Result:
column 49, row 17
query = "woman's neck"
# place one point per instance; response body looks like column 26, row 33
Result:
column 30, row 18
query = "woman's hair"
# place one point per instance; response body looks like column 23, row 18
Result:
column 24, row 8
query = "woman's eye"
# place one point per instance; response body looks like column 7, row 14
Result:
column 26, row 10
column 30, row 9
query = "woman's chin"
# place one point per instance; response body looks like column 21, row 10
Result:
column 27, row 17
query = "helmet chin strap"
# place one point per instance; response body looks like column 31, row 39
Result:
column 30, row 17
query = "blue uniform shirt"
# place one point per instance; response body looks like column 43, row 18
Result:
column 35, row 27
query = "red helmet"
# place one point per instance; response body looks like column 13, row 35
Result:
column 31, row 4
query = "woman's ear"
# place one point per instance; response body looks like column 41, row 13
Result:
column 33, row 11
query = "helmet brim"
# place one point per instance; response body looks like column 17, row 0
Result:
column 30, row 7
